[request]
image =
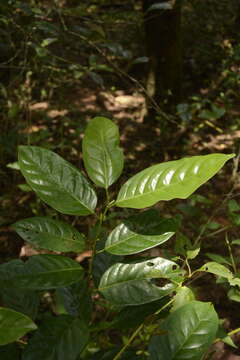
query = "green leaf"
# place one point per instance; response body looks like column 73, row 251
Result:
column 234, row 294
column 133, row 316
column 233, row 205
column 13, row 325
column 235, row 242
column 140, row 232
column 50, row 234
column 103, row 159
column 24, row 301
column 76, row 299
column 169, row 180
column 217, row 269
column 56, row 182
column 184, row 246
column 58, row 338
column 130, row 284
column 42, row 272
column 190, row 330
column 183, row 296
column 224, row 337
column 234, row 281
column 101, row 263
column 219, row 258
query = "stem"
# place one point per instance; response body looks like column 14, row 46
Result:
column 228, row 334
column 129, row 342
column 189, row 269
column 136, row 332
column 231, row 254
column 101, row 219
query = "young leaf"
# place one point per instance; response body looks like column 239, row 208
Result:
column 130, row 284
column 183, row 296
column 61, row 338
column 217, row 269
column 42, row 272
column 56, row 182
column 13, row 325
column 190, row 330
column 169, row 180
column 103, row 159
column 50, row 234
column 140, row 232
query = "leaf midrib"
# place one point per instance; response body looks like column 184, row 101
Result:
column 61, row 187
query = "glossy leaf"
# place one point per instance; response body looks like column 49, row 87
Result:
column 58, row 338
column 139, row 233
column 130, row 284
column 103, row 159
column 42, row 272
column 76, row 299
column 101, row 263
column 56, row 181
column 50, row 234
column 169, row 180
column 183, row 296
column 13, row 325
column 189, row 331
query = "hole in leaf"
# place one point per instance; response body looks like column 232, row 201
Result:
column 174, row 267
column 160, row 282
column 149, row 263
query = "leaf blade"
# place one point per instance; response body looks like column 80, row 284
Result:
column 56, row 182
column 62, row 337
column 102, row 156
column 169, row 180
column 13, row 325
column 129, row 284
column 50, row 234
column 190, row 330
column 43, row 272
column 140, row 232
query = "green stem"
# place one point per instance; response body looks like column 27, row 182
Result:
column 136, row 332
column 231, row 254
column 101, row 219
column 228, row 334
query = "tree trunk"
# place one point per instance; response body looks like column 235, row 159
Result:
column 163, row 42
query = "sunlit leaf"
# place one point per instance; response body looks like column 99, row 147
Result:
column 56, row 182
column 217, row 269
column 103, row 159
column 130, row 284
column 183, row 296
column 140, row 232
column 169, row 180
